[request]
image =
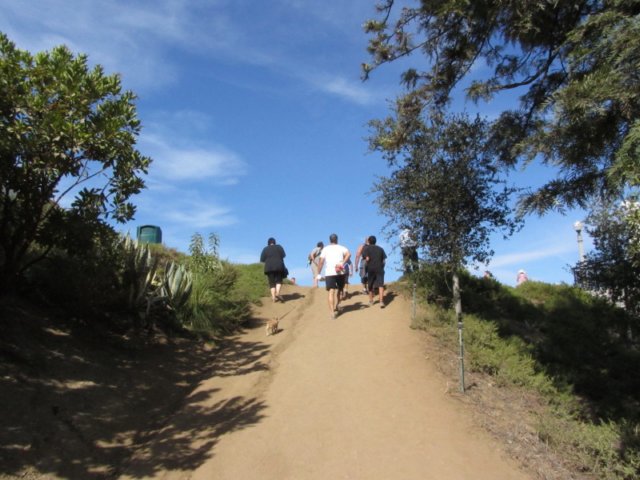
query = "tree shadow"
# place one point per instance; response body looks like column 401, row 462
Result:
column 77, row 403
column 188, row 441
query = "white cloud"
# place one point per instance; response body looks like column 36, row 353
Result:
column 135, row 39
column 199, row 215
column 351, row 91
column 170, row 204
column 192, row 163
column 520, row 258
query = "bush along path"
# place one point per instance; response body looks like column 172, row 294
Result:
column 356, row 397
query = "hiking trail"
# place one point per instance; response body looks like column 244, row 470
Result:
column 352, row 398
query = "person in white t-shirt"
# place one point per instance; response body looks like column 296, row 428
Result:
column 333, row 258
column 409, row 248
column 314, row 258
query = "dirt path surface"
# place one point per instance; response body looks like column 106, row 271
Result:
column 350, row 398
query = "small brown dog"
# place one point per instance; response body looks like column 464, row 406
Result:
column 272, row 326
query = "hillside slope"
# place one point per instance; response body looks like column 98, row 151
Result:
column 353, row 397
column 362, row 396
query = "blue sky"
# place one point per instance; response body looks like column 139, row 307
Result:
column 256, row 118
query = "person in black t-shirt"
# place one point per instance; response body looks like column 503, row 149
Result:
column 375, row 257
column 273, row 258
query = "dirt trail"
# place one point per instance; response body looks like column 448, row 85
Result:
column 354, row 398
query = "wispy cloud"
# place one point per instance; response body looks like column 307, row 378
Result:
column 192, row 163
column 190, row 210
column 137, row 39
column 520, row 258
column 349, row 90
column 198, row 215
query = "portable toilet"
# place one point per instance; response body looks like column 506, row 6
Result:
column 149, row 234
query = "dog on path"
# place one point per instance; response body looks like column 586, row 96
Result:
column 271, row 326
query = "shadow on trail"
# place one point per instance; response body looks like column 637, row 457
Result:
column 79, row 403
column 287, row 297
column 353, row 307
column 188, row 442
column 236, row 357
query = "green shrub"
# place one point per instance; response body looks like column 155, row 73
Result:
column 213, row 307
column 604, row 449
column 251, row 283
column 565, row 344
column 82, row 282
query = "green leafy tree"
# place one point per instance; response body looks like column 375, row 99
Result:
column 67, row 137
column 574, row 66
column 613, row 267
column 447, row 190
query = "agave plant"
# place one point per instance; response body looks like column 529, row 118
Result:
column 139, row 272
column 176, row 285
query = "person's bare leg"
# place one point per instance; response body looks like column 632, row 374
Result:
column 333, row 293
column 273, row 293
column 381, row 293
column 278, row 287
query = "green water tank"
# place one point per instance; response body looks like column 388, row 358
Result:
column 149, row 234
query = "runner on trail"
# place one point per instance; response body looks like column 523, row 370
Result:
column 273, row 258
column 333, row 258
column 375, row 257
column 314, row 258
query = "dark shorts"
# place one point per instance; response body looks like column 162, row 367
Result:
column 334, row 282
column 363, row 273
column 274, row 278
column 375, row 280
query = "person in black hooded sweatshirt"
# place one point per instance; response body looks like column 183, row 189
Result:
column 273, row 258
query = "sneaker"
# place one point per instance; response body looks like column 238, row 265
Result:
column 370, row 303
column 382, row 305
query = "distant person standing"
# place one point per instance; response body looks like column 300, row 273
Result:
column 361, row 266
column 409, row 248
column 314, row 259
column 273, row 258
column 375, row 257
column 522, row 277
column 332, row 258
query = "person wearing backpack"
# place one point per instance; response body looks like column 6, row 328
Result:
column 314, row 258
